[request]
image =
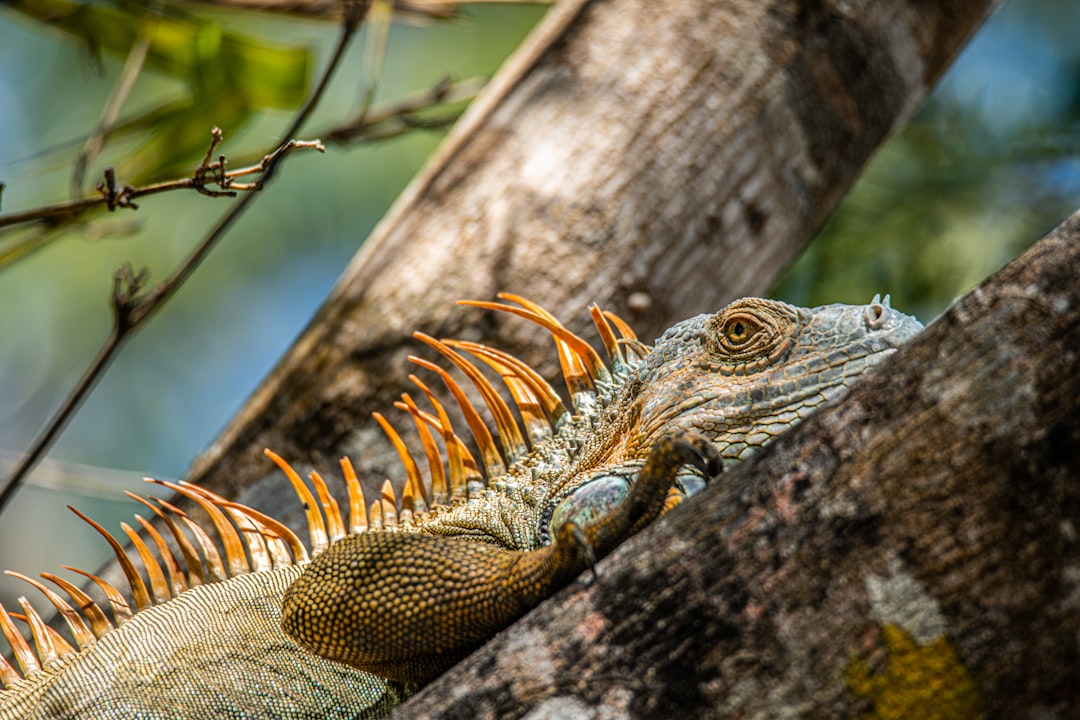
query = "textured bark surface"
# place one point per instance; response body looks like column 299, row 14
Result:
column 657, row 158
column 910, row 552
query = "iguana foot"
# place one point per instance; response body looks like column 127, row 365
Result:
column 407, row 606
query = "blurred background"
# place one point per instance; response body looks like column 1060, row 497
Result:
column 989, row 163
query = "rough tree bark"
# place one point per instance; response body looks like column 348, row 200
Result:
column 657, row 158
column 909, row 552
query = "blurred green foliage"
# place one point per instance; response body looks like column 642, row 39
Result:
column 989, row 164
column 224, row 76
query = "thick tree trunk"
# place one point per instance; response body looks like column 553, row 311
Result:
column 909, row 552
column 658, row 158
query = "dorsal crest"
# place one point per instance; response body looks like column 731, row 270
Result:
column 237, row 539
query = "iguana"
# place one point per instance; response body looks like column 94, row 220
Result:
column 409, row 588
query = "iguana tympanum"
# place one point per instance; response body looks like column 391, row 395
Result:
column 407, row 589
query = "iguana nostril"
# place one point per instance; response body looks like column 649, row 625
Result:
column 874, row 314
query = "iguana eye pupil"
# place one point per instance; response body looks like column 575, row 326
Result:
column 737, row 331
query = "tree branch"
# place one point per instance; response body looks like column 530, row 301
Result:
column 381, row 123
column 112, row 195
column 133, row 65
column 398, row 118
column 909, row 551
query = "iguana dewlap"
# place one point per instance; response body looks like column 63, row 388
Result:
column 411, row 587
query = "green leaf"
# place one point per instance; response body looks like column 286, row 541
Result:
column 228, row 77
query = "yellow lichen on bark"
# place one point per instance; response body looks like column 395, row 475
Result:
column 919, row 681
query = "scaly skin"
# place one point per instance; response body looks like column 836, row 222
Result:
column 737, row 378
column 458, row 592
column 385, row 600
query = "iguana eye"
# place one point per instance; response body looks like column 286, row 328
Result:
column 750, row 333
column 737, row 331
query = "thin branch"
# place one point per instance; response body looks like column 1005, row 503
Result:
column 355, row 12
column 112, row 195
column 133, row 66
column 375, row 36
column 400, row 117
column 132, row 308
column 379, row 124
column 123, row 281
column 137, row 308
column 331, row 9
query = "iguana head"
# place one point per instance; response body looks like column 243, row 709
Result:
column 738, row 377
column 754, row 369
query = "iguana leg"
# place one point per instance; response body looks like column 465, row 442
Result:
column 408, row 606
column 647, row 497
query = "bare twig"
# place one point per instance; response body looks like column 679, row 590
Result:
column 132, row 307
column 355, row 12
column 125, row 285
column 331, row 9
column 376, row 34
column 132, row 68
column 378, row 124
column 112, row 195
column 400, row 117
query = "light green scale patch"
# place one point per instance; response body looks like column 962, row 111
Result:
column 923, row 676
column 216, row 651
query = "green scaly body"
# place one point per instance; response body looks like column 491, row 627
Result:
column 408, row 600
